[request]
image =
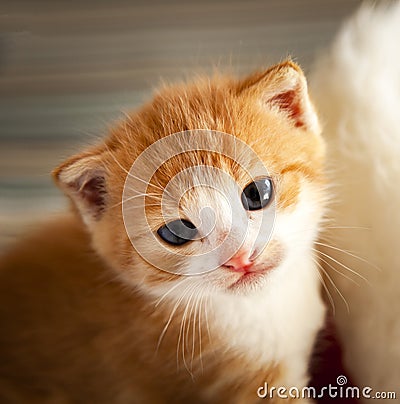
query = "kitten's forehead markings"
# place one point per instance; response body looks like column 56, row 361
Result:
column 211, row 188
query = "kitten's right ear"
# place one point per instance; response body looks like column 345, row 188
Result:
column 283, row 88
column 83, row 179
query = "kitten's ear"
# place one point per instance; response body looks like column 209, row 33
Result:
column 284, row 88
column 83, row 179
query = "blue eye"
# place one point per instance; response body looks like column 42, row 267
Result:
column 177, row 232
column 257, row 195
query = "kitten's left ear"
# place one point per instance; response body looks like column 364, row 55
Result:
column 83, row 179
column 283, row 88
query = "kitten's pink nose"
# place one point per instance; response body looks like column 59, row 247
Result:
column 239, row 262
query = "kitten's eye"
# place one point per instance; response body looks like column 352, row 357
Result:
column 257, row 194
column 177, row 232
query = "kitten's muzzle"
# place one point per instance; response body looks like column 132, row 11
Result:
column 243, row 261
column 240, row 262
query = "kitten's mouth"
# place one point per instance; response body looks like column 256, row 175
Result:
column 252, row 277
column 251, row 273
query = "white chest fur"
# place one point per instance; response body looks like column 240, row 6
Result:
column 279, row 323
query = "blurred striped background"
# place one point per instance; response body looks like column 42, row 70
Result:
column 68, row 69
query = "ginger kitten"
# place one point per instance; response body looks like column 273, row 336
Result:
column 186, row 270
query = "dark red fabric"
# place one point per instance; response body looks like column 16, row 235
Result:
column 326, row 363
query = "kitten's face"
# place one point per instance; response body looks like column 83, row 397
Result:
column 218, row 184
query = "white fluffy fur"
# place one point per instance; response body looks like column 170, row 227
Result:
column 356, row 86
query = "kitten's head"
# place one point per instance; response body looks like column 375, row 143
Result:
column 220, row 179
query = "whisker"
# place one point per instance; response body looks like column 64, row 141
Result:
column 130, row 198
column 336, row 288
column 190, row 287
column 206, row 315
column 328, row 293
column 200, row 330
column 189, row 322
column 169, row 291
column 177, row 303
column 141, row 207
column 349, row 253
column 339, row 272
column 181, row 338
column 348, row 227
column 196, row 303
column 167, row 324
column 345, row 266
column 138, row 196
